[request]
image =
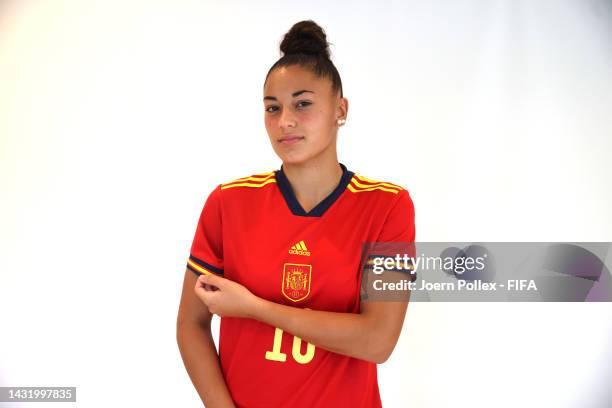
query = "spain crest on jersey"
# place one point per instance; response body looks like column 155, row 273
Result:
column 296, row 281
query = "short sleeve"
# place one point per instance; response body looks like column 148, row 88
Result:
column 206, row 254
column 395, row 238
column 399, row 225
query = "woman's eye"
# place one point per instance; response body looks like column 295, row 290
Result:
column 302, row 104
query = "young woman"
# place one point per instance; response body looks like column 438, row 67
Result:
column 276, row 256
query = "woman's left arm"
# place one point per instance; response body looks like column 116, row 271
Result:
column 370, row 335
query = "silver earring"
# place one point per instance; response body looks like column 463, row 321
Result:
column 341, row 122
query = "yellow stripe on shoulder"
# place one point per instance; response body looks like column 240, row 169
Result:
column 361, row 190
column 253, row 177
column 255, row 181
column 357, row 185
column 249, row 184
column 376, row 182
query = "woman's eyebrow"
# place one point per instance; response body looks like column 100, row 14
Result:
column 297, row 93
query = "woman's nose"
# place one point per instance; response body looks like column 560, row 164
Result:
column 287, row 119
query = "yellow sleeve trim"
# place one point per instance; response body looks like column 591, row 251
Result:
column 199, row 268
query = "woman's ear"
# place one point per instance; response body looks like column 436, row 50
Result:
column 342, row 108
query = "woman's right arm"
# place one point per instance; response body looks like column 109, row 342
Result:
column 197, row 348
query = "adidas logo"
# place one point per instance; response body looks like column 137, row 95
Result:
column 299, row 249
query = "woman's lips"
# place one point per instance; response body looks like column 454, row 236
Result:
column 290, row 140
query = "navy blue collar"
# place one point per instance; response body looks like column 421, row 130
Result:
column 319, row 209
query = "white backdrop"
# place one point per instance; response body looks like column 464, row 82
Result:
column 117, row 118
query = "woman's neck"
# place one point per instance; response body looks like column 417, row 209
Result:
column 313, row 181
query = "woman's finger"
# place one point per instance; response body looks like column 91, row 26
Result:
column 201, row 285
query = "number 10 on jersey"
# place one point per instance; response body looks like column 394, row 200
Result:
column 276, row 355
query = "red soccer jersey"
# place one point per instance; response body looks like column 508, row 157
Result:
column 254, row 231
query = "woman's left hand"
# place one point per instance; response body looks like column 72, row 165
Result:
column 224, row 297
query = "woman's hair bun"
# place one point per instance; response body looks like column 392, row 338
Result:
column 305, row 37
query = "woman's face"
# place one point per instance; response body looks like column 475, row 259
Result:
column 301, row 114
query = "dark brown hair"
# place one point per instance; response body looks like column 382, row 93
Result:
column 305, row 44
